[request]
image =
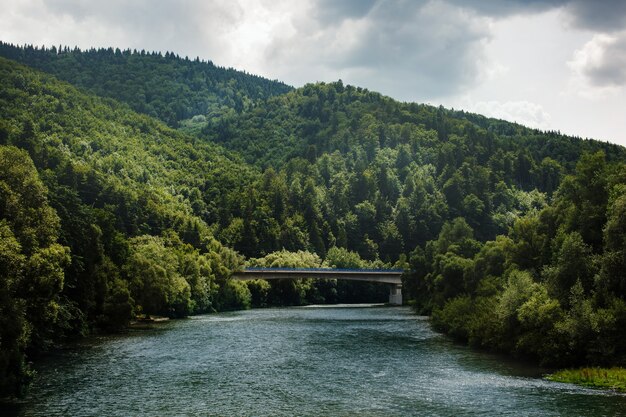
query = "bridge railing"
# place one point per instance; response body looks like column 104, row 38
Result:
column 281, row 269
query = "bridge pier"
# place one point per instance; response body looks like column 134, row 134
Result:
column 395, row 295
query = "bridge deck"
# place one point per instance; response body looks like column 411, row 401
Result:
column 388, row 276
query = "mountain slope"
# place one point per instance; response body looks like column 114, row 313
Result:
column 384, row 176
column 103, row 213
column 332, row 117
column 167, row 87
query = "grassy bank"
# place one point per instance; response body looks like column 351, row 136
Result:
column 613, row 378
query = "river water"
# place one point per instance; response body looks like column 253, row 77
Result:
column 324, row 361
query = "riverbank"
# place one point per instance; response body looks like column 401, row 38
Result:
column 603, row 378
column 146, row 322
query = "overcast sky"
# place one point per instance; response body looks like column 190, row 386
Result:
column 551, row 64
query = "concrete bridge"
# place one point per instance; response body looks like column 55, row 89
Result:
column 386, row 276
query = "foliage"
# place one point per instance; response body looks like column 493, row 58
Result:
column 31, row 268
column 555, row 285
column 607, row 378
column 101, row 215
column 235, row 295
column 289, row 292
column 314, row 291
column 176, row 90
column 347, row 167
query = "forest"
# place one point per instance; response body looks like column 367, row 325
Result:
column 135, row 183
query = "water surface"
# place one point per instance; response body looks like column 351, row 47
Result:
column 298, row 361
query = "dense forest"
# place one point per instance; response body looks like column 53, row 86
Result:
column 179, row 92
column 512, row 239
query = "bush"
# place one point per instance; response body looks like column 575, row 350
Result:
column 234, row 295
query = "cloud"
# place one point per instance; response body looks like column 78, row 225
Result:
column 598, row 15
column 504, row 8
column 170, row 25
column 411, row 50
column 333, row 11
column 232, row 33
column 194, row 28
column 599, row 67
column 523, row 112
column 428, row 47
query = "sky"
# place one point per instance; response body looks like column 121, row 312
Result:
column 550, row 64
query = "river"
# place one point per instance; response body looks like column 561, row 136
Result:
column 310, row 361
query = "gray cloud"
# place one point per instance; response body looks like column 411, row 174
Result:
column 333, row 11
column 420, row 48
column 501, row 8
column 436, row 47
column 599, row 15
column 602, row 61
column 396, row 47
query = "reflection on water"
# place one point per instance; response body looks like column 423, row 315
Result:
column 298, row 361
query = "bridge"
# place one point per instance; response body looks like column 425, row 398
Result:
column 385, row 276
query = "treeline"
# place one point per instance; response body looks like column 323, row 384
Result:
column 328, row 117
column 165, row 86
column 553, row 289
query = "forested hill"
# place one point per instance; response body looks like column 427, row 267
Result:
column 507, row 233
column 103, row 214
column 349, row 167
column 168, row 87
column 323, row 118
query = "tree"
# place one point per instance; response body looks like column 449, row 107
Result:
column 531, row 243
column 14, row 371
column 549, row 173
column 156, row 284
column 31, row 267
column 287, row 291
column 572, row 264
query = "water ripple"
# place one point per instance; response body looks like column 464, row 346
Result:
column 298, row 361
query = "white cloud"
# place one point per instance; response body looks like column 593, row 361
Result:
column 599, row 67
column 522, row 112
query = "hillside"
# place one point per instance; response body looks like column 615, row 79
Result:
column 323, row 118
column 381, row 172
column 101, row 217
column 176, row 90
column 507, row 233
